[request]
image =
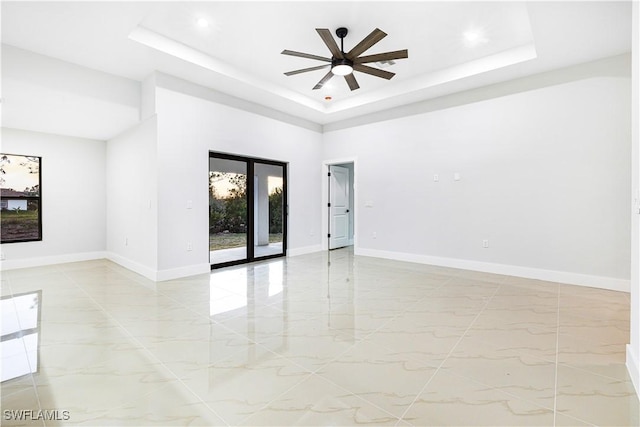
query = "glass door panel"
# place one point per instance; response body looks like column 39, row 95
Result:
column 228, row 212
column 269, row 209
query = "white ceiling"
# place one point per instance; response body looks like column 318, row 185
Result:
column 239, row 52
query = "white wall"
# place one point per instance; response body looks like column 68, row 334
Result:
column 544, row 173
column 45, row 94
column 513, row 150
column 132, row 202
column 189, row 126
column 73, row 198
column 633, row 349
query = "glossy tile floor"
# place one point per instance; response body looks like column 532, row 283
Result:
column 320, row 339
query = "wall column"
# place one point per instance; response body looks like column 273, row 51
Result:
column 633, row 349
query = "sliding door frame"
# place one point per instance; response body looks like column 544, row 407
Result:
column 250, row 220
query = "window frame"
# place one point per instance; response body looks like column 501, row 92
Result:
column 37, row 198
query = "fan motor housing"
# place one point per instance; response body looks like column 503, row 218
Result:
column 344, row 61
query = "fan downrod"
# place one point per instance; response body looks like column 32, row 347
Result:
column 342, row 33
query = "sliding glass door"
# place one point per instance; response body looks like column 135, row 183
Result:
column 227, row 210
column 268, row 209
column 247, row 209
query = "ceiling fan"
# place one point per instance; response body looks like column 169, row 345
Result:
column 344, row 64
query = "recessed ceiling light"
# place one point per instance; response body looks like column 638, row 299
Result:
column 201, row 22
column 471, row 36
column 474, row 38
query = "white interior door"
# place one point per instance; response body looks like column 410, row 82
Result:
column 339, row 207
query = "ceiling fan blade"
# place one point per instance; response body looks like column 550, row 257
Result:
column 305, row 55
column 373, row 71
column 373, row 38
column 304, row 70
column 352, row 82
column 323, row 80
column 386, row 56
column 328, row 39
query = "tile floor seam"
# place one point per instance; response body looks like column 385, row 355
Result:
column 208, row 318
column 578, row 419
column 498, row 389
column 598, row 374
column 358, row 396
column 452, row 372
column 416, row 358
column 34, row 385
column 184, row 305
column 221, row 324
column 111, row 408
column 364, row 338
column 429, row 294
column 242, row 420
column 335, row 358
column 149, row 393
column 315, row 372
column 449, row 354
column 149, row 352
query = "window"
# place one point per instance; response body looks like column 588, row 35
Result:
column 20, row 196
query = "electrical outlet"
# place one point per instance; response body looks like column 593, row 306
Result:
column 436, row 177
column 189, row 246
column 374, row 235
column 2, row 256
column 485, row 243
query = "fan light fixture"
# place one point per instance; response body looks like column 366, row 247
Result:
column 341, row 67
column 345, row 64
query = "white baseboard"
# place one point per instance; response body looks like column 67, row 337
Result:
column 610, row 283
column 143, row 270
column 634, row 368
column 159, row 275
column 178, row 273
column 50, row 260
column 509, row 270
column 304, row 250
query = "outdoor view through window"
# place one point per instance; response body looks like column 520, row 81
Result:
column 229, row 201
column 20, row 220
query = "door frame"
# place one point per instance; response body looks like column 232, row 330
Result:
column 250, row 162
column 325, row 200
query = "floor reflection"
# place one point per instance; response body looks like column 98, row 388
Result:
column 20, row 341
column 228, row 291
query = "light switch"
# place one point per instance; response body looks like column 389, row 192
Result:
column 189, row 204
column 368, row 204
column 456, row 176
